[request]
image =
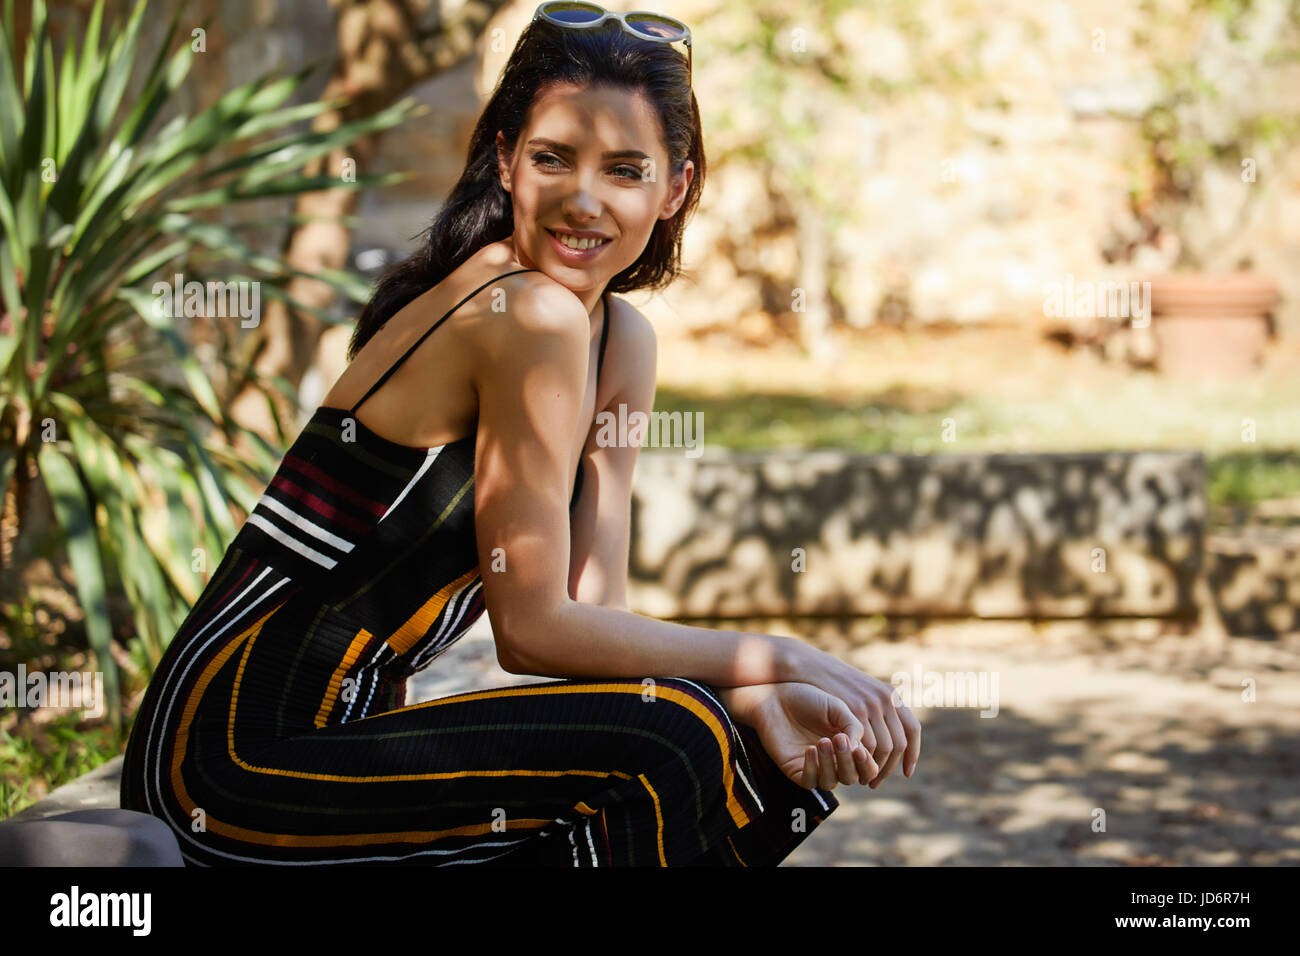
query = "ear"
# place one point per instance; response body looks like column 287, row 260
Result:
column 505, row 154
column 677, row 191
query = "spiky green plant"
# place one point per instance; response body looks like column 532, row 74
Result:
column 101, row 398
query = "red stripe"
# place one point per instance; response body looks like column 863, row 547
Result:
column 319, row 505
column 343, row 491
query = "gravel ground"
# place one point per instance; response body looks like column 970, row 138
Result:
column 1109, row 744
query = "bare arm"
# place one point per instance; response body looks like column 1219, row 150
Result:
column 601, row 532
column 530, row 381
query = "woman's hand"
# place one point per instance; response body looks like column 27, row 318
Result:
column 890, row 731
column 811, row 735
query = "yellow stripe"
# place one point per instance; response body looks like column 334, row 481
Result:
column 336, row 679
column 738, row 813
column 659, row 819
column 418, row 624
column 401, row 641
column 329, row 840
column 737, row 852
column 278, row 839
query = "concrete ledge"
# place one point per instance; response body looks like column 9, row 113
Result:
column 103, row 837
column 81, row 824
column 764, row 534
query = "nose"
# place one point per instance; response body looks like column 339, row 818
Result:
column 581, row 204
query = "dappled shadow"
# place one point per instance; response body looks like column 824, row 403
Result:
column 1061, row 534
column 1185, row 772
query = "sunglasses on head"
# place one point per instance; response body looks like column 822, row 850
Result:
column 642, row 24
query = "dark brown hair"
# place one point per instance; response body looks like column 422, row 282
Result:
column 479, row 211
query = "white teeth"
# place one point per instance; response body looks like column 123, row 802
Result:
column 575, row 243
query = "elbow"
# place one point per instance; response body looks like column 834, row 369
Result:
column 522, row 640
column 504, row 659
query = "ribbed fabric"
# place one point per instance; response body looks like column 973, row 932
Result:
column 276, row 731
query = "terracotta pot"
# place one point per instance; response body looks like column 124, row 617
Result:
column 1211, row 325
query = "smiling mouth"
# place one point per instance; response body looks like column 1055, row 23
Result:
column 575, row 243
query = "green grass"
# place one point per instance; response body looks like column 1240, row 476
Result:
column 36, row 757
column 916, row 421
column 40, row 757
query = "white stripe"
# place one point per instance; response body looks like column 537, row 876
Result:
column 450, row 629
column 343, row 861
column 309, row 526
column 288, row 542
column 591, row 843
column 428, row 460
column 374, row 667
column 182, row 832
column 374, row 685
column 451, row 622
column 177, row 681
column 450, row 619
column 572, row 842
column 173, row 677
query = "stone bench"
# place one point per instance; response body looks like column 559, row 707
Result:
column 81, row 824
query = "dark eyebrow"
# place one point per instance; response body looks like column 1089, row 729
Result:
column 612, row 154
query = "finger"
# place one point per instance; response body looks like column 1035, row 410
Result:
column 848, row 743
column 913, row 728
column 867, row 768
column 845, row 766
column 868, row 735
column 859, row 748
column 900, row 743
column 884, row 747
column 826, row 762
column 842, row 716
column 809, row 776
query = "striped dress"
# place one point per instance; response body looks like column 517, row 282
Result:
column 276, row 729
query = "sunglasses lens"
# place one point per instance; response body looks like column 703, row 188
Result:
column 574, row 12
column 653, row 25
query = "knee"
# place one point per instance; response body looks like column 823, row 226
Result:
column 696, row 714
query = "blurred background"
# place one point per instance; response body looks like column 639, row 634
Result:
column 991, row 314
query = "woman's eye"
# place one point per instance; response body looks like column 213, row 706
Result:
column 551, row 161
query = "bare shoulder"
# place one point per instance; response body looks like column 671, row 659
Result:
column 526, row 322
column 526, row 312
column 539, row 303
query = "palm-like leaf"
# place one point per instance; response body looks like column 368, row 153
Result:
column 99, row 390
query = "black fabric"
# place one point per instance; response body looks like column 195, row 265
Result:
column 600, row 360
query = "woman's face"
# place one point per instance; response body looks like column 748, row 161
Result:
column 589, row 161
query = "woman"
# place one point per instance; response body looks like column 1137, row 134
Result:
column 275, row 730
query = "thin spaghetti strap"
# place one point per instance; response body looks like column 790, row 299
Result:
column 394, row 367
column 604, row 334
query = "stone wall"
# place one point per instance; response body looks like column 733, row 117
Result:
column 826, row 532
